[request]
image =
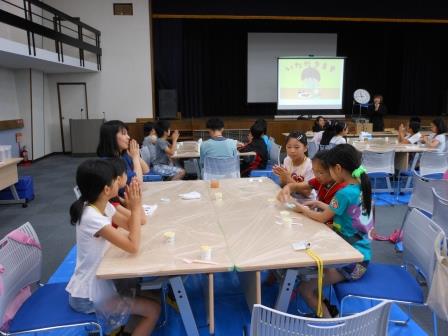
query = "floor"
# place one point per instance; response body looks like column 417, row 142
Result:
column 54, row 178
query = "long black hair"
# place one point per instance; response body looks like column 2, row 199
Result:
column 350, row 159
column 440, row 125
column 332, row 129
column 321, row 156
column 108, row 146
column 91, row 177
column 316, row 126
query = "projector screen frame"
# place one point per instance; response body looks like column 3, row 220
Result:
column 305, row 111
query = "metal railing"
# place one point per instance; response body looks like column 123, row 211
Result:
column 87, row 38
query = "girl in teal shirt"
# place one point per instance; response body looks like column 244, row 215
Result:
column 352, row 215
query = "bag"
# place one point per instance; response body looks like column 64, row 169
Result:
column 438, row 295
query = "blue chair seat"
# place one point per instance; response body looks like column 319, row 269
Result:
column 383, row 281
column 48, row 307
column 152, row 178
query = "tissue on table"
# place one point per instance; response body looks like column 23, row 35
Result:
column 191, row 195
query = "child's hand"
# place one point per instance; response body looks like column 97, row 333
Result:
column 284, row 195
column 134, row 150
column 133, row 196
column 300, row 208
column 175, row 135
column 280, row 171
column 316, row 204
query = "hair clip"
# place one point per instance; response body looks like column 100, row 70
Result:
column 299, row 137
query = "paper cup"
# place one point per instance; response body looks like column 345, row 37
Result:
column 206, row 252
column 218, row 196
column 170, row 237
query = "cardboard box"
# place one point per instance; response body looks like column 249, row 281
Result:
column 363, row 127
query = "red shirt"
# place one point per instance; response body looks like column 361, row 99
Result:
column 325, row 193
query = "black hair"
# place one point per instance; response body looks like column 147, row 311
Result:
column 256, row 130
column 147, row 128
column 91, row 177
column 119, row 166
column 416, row 119
column 108, row 146
column 215, row 124
column 310, row 73
column 440, row 125
column 263, row 124
column 414, row 126
column 321, row 156
column 299, row 136
column 162, row 126
column 332, row 129
column 350, row 159
column 316, row 126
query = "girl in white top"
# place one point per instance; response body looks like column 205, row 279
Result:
column 92, row 214
column 334, row 133
column 437, row 139
column 412, row 136
column 297, row 167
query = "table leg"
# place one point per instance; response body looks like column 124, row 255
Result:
column 286, row 288
column 184, row 306
column 211, row 305
column 401, row 161
column 251, row 284
column 16, row 200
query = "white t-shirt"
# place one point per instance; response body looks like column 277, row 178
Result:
column 303, row 172
column 90, row 250
column 413, row 139
column 338, row 140
column 317, row 137
column 442, row 140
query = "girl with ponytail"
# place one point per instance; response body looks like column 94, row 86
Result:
column 334, row 133
column 352, row 214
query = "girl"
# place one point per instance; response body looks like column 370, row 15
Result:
column 334, row 134
column 297, row 166
column 257, row 145
column 351, row 211
column 92, row 214
column 115, row 142
column 323, row 183
column 319, row 124
column 122, row 214
column 437, row 139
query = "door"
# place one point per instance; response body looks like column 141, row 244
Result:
column 72, row 105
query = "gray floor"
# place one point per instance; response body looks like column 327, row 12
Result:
column 54, row 178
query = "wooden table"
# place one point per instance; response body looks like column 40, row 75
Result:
column 8, row 177
column 240, row 228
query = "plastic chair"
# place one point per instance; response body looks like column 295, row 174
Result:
column 47, row 307
column 433, row 163
column 152, row 178
column 145, row 154
column 420, row 235
column 379, row 165
column 312, row 149
column 422, row 197
column 221, row 168
column 274, row 154
column 326, row 147
column 267, row 321
column 77, row 192
column 440, row 210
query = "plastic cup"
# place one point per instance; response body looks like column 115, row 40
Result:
column 218, row 196
column 214, row 184
column 206, row 252
column 170, row 237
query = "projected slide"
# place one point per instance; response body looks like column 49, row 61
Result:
column 310, row 83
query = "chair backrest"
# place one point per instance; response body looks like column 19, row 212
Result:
column 421, row 197
column 21, row 263
column 326, row 147
column 440, row 210
column 145, row 154
column 379, row 162
column 419, row 235
column 312, row 149
column 372, row 322
column 274, row 154
column 77, row 192
column 433, row 163
column 221, row 168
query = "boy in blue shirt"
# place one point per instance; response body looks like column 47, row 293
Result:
column 217, row 146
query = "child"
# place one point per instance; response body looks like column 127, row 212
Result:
column 437, row 139
column 323, row 183
column 92, row 214
column 217, row 146
column 122, row 214
column 115, row 142
column 257, row 145
column 162, row 163
column 334, row 134
column 413, row 135
column 297, row 166
column 319, row 124
column 150, row 141
column 264, row 126
column 351, row 211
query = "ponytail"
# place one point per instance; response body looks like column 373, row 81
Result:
column 76, row 210
column 333, row 129
column 366, row 190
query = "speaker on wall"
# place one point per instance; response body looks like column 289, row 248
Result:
column 167, row 104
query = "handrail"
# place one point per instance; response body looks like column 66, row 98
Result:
column 26, row 23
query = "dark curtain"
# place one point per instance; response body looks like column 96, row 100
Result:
column 206, row 62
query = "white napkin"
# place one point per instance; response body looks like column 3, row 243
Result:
column 191, row 195
column 149, row 209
